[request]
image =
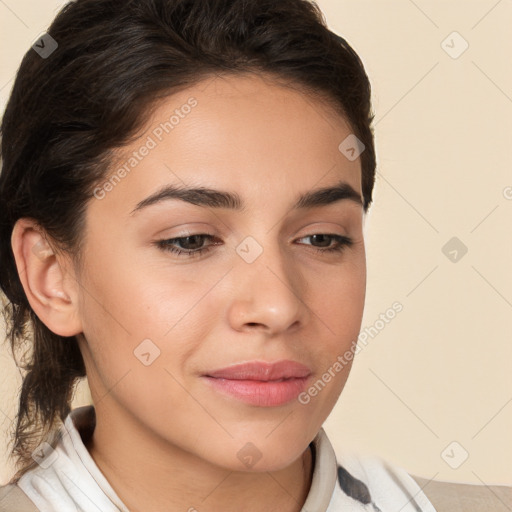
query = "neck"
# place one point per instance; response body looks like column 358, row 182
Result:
column 149, row 474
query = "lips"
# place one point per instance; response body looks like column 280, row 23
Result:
column 260, row 383
column 262, row 371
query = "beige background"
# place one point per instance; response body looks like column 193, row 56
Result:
column 440, row 371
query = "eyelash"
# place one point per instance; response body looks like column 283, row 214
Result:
column 342, row 242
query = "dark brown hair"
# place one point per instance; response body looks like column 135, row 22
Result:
column 70, row 110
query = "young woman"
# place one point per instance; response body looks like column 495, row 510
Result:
column 183, row 194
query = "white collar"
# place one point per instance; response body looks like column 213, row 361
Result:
column 68, row 477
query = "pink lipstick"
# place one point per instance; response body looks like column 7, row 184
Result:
column 261, row 383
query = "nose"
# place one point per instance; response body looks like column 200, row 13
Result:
column 268, row 294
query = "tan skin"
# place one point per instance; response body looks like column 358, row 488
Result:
column 163, row 439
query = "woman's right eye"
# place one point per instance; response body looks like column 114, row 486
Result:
column 191, row 245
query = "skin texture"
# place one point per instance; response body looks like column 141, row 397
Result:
column 164, row 439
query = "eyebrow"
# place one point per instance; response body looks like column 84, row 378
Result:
column 211, row 198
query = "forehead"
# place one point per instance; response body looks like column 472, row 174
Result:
column 246, row 133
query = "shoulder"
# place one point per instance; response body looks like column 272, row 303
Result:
column 455, row 497
column 388, row 484
column 375, row 482
column 13, row 499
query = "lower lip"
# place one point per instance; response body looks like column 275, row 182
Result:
column 256, row 392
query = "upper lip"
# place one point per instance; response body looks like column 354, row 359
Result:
column 262, row 370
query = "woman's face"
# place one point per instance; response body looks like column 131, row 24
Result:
column 257, row 289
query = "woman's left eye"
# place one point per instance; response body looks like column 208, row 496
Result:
column 341, row 242
column 192, row 245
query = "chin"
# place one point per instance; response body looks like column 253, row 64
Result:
column 258, row 457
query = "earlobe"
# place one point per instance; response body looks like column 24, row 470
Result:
column 47, row 278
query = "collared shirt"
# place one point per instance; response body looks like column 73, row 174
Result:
column 66, row 478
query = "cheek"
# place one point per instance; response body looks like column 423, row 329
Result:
column 137, row 298
column 139, row 340
column 337, row 297
column 338, row 304
column 137, row 318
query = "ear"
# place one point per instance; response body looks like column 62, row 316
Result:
column 47, row 277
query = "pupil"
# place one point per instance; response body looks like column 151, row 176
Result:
column 326, row 240
column 194, row 237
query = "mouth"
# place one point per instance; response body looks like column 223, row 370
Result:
column 260, row 383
